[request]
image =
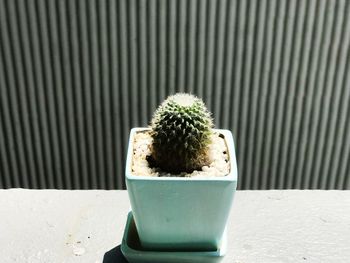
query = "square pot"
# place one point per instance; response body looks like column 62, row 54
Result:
column 181, row 212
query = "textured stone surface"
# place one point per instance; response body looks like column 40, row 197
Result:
column 87, row 226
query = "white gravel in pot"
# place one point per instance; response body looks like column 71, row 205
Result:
column 219, row 166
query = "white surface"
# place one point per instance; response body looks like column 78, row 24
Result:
column 265, row 226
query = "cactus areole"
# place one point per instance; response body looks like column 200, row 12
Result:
column 181, row 132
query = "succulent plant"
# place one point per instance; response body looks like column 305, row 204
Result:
column 181, row 132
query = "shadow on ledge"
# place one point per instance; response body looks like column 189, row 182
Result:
column 115, row 255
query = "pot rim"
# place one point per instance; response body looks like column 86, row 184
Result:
column 232, row 176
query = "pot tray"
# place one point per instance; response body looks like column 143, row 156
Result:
column 134, row 253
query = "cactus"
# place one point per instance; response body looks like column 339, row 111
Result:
column 181, row 132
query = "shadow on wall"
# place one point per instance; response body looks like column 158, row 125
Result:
column 115, row 255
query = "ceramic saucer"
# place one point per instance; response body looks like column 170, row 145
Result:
column 134, row 253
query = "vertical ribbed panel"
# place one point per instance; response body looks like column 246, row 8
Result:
column 75, row 76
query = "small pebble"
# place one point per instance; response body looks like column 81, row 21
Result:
column 78, row 251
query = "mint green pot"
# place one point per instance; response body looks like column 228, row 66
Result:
column 174, row 213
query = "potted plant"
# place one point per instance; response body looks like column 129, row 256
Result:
column 181, row 176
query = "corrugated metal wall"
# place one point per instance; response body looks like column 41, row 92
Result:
column 75, row 76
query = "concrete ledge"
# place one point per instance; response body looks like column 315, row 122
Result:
column 265, row 226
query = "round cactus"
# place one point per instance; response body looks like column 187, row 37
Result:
column 181, row 132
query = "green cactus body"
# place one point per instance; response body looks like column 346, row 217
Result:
column 181, row 132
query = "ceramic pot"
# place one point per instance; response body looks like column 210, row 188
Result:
column 186, row 213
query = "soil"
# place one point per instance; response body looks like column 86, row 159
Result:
column 218, row 153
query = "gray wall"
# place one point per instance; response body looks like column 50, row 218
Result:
column 75, row 76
